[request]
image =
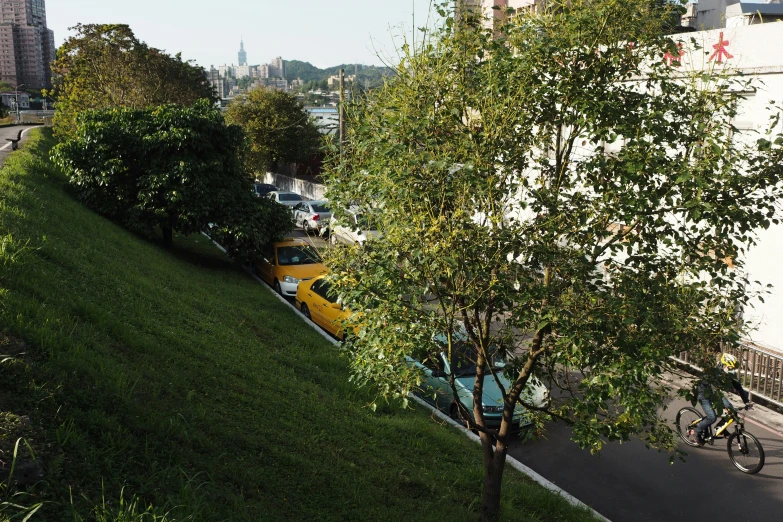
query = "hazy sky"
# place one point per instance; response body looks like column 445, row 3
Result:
column 322, row 32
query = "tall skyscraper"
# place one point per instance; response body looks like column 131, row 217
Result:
column 242, row 53
column 27, row 46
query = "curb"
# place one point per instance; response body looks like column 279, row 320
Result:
column 535, row 477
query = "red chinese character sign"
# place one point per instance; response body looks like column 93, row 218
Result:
column 670, row 58
column 720, row 50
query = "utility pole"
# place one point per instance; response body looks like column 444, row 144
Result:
column 342, row 108
column 16, row 92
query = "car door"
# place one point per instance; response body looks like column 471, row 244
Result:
column 298, row 212
column 330, row 310
column 435, row 385
column 265, row 263
column 315, row 302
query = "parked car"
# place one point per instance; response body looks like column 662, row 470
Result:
column 318, row 302
column 288, row 199
column 262, row 189
column 355, row 229
column 283, row 264
column 312, row 215
column 437, row 389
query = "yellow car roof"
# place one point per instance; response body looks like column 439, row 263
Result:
column 292, row 241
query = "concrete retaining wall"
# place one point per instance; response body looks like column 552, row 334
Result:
column 307, row 189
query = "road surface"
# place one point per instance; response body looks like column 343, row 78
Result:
column 10, row 132
column 631, row 483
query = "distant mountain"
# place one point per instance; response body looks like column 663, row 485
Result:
column 308, row 72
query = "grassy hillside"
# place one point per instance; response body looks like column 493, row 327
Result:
column 172, row 378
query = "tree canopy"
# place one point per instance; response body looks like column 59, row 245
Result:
column 278, row 129
column 171, row 168
column 557, row 190
column 105, row 66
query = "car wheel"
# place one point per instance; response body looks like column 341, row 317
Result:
column 333, row 239
column 278, row 289
column 306, row 227
column 454, row 413
column 306, row 311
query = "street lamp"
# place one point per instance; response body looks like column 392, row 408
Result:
column 16, row 92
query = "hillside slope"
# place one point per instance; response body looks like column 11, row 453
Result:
column 173, row 378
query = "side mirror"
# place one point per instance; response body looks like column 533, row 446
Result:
column 337, row 306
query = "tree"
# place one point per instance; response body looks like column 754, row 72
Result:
column 245, row 82
column 553, row 187
column 106, row 66
column 278, row 129
column 169, row 167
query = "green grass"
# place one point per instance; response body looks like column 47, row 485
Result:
column 168, row 385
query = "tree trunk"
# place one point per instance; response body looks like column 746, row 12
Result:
column 494, row 464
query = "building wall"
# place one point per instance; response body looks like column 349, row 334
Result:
column 753, row 51
column 27, row 47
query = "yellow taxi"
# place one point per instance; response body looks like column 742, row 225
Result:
column 318, row 302
column 283, row 264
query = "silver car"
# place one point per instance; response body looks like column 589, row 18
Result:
column 288, row 199
column 312, row 216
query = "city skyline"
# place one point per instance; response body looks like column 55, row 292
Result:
column 348, row 32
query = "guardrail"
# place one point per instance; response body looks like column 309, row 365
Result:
column 760, row 371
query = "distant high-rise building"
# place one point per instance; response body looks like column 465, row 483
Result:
column 27, row 46
column 277, row 68
column 242, row 53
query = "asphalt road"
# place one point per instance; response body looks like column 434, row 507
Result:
column 9, row 132
column 628, row 482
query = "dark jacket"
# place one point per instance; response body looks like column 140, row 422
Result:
column 723, row 378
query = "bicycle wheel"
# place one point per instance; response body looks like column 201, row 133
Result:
column 745, row 452
column 687, row 418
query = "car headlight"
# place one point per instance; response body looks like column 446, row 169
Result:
column 289, row 279
column 492, row 409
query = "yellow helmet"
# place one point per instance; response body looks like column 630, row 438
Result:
column 728, row 360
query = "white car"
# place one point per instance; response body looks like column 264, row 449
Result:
column 288, row 199
column 354, row 230
column 312, row 215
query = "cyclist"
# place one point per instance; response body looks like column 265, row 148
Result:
column 723, row 372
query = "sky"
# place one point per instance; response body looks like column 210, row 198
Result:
column 322, row 32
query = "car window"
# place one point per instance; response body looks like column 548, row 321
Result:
column 433, row 362
column 316, row 287
column 267, row 251
column 464, row 360
column 289, row 197
column 301, row 206
column 297, row 255
column 326, row 290
column 320, row 208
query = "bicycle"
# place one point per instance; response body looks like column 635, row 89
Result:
column 744, row 449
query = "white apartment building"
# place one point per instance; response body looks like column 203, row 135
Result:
column 753, row 51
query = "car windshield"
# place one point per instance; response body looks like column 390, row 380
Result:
column 321, row 208
column 297, row 255
column 289, row 197
column 465, row 364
